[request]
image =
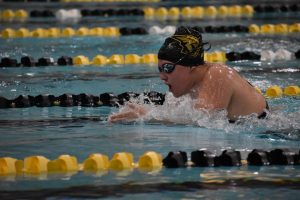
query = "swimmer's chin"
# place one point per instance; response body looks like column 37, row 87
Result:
column 176, row 95
column 173, row 93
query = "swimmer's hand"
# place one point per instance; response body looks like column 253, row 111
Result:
column 130, row 112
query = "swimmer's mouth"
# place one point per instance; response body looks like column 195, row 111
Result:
column 169, row 85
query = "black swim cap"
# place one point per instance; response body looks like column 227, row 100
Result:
column 185, row 47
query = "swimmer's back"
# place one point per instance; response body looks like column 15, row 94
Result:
column 242, row 98
column 245, row 99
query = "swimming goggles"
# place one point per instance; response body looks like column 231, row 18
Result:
column 166, row 68
column 169, row 67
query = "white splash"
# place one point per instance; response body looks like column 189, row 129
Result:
column 181, row 111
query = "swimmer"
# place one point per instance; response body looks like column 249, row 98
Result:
column 214, row 86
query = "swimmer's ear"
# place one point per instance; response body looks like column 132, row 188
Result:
column 192, row 68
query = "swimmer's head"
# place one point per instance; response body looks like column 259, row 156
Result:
column 185, row 47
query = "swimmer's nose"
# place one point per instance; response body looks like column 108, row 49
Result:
column 162, row 76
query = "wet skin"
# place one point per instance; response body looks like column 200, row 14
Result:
column 213, row 86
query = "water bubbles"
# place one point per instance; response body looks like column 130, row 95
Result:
column 181, row 111
column 3, row 84
column 30, row 74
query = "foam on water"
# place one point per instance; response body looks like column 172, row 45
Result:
column 181, row 111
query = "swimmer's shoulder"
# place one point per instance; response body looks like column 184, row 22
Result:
column 217, row 66
column 219, row 70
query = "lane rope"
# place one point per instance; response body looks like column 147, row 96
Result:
column 160, row 13
column 54, row 32
column 150, row 161
column 110, row 99
column 150, row 58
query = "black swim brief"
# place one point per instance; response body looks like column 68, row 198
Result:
column 264, row 114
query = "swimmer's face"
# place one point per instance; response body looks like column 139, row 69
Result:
column 178, row 80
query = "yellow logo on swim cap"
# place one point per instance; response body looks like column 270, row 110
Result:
column 189, row 44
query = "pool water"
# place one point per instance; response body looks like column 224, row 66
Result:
column 80, row 131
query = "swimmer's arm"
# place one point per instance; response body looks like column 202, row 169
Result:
column 132, row 112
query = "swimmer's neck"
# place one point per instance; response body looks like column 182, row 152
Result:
column 198, row 75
